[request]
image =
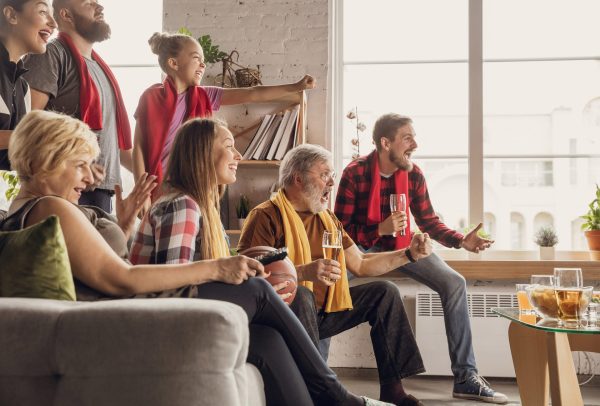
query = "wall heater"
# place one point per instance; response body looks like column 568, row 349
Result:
column 490, row 332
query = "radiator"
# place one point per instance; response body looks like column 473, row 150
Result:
column 490, row 333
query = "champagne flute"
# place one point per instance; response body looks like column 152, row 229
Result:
column 398, row 203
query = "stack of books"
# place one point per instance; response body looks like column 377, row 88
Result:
column 275, row 136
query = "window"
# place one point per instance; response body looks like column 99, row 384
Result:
column 539, row 104
column 128, row 53
column 517, row 231
column 527, row 173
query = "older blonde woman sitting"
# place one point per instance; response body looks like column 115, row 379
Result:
column 52, row 155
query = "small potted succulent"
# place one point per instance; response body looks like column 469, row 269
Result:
column 591, row 226
column 546, row 238
column 242, row 208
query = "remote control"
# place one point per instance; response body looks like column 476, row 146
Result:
column 273, row 256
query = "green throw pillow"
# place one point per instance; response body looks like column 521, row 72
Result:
column 34, row 262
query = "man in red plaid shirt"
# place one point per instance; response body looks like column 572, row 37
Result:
column 363, row 206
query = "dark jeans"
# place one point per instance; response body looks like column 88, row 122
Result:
column 264, row 307
column 284, row 384
column 380, row 304
column 101, row 198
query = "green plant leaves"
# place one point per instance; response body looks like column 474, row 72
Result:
column 592, row 217
column 12, row 180
column 212, row 53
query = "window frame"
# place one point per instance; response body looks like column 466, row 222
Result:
column 475, row 62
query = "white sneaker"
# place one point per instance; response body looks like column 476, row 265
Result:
column 373, row 402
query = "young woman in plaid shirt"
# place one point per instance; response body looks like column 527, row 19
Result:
column 183, row 226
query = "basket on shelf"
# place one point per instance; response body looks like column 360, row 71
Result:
column 247, row 77
column 242, row 77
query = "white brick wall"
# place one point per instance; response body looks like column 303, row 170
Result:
column 286, row 38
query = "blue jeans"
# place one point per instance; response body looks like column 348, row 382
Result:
column 434, row 273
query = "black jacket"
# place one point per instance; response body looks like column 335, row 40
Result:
column 14, row 97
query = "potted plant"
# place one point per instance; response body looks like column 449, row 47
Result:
column 546, row 238
column 591, row 226
column 242, row 208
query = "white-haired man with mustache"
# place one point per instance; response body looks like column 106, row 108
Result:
column 297, row 217
column 71, row 78
column 363, row 206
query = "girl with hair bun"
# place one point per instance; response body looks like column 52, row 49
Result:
column 163, row 107
column 25, row 27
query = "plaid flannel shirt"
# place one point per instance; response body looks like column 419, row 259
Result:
column 169, row 233
column 352, row 203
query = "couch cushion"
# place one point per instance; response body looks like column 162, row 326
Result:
column 150, row 352
column 34, row 262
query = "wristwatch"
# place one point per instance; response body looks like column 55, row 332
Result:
column 409, row 255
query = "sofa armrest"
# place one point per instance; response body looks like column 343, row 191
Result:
column 153, row 352
column 124, row 352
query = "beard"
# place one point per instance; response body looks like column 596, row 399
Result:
column 313, row 195
column 401, row 162
column 92, row 31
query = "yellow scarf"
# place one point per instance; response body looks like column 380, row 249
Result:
column 338, row 296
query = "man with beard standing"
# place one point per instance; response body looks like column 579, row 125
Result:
column 363, row 207
column 71, row 78
column 296, row 217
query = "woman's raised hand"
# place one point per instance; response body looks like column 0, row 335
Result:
column 128, row 208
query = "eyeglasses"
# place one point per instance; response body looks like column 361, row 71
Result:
column 327, row 176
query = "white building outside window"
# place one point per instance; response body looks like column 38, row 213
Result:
column 541, row 108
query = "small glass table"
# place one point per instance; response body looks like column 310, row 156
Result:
column 541, row 352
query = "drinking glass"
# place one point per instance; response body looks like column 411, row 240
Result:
column 524, row 304
column 572, row 304
column 398, row 203
column 568, row 277
column 571, row 297
column 542, row 297
column 544, row 280
column 332, row 244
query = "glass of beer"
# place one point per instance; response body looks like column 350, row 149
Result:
column 568, row 277
column 398, row 203
column 332, row 244
column 572, row 304
column 524, row 304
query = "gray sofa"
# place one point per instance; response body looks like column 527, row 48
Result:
column 147, row 352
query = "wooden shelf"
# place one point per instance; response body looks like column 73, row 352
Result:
column 254, row 162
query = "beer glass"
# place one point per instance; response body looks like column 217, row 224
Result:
column 398, row 203
column 571, row 297
column 524, row 304
column 332, row 244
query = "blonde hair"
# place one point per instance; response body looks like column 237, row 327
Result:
column 43, row 141
column 167, row 45
column 191, row 170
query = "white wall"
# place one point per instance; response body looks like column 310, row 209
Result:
column 286, row 38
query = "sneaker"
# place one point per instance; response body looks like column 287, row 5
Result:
column 477, row 388
column 373, row 402
column 409, row 400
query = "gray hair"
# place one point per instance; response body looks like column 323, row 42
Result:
column 299, row 160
